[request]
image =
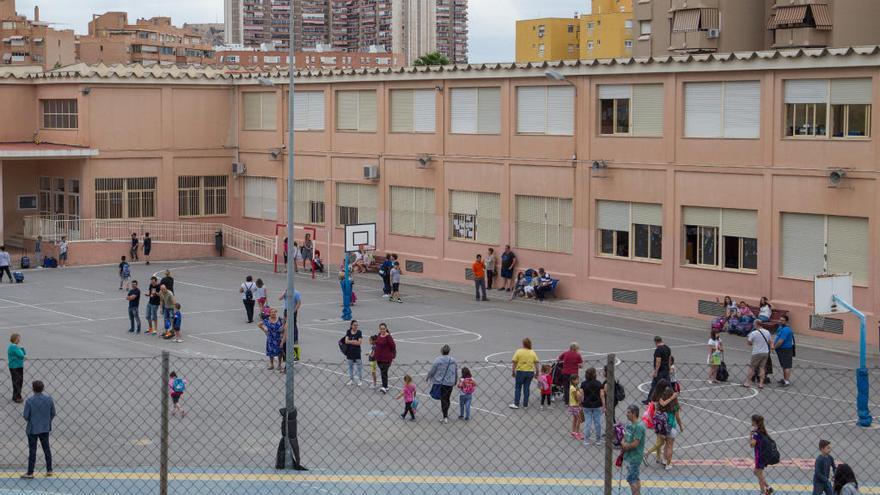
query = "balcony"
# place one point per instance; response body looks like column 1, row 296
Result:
column 801, row 37
column 694, row 4
column 693, row 41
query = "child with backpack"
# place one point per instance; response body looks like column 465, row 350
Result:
column 177, row 384
column 766, row 453
column 124, row 274
column 409, row 398
column 372, row 359
column 545, row 383
column 466, row 387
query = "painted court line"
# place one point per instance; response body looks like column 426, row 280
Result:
column 84, row 290
column 48, row 310
column 732, row 418
column 774, row 432
column 447, row 313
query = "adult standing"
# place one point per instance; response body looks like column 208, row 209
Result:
column 135, row 244
column 5, row 261
column 38, row 251
column 633, row 446
column 444, row 372
column 275, row 329
column 572, row 362
column 662, row 353
column 491, row 265
column 153, row 304
column 479, row 271
column 248, row 290
column 784, row 346
column 297, row 302
column 593, row 404
column 508, row 263
column 167, row 280
column 39, row 411
column 307, row 250
column 353, row 340
column 62, row 252
column 525, row 367
column 759, row 339
column 385, row 273
column 384, row 351
column 134, row 302
column 148, row 246
column 166, row 298
column 15, row 356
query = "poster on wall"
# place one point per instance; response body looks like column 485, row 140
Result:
column 464, row 226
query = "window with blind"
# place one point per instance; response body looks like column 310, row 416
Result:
column 260, row 111
column 60, row 114
column 722, row 110
column 355, row 203
column 818, row 244
column 125, row 197
column 260, row 198
column 413, row 111
column 308, row 111
column 544, row 224
column 356, row 111
column 412, row 211
column 635, row 110
column 823, row 108
column 545, row 110
column 720, row 238
column 475, row 216
column 630, row 230
column 201, row 195
column 476, row 110
column 309, row 201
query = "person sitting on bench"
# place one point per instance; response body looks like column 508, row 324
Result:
column 545, row 284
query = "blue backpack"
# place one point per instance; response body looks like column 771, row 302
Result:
column 126, row 270
column 178, row 385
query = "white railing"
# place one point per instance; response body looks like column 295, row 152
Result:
column 245, row 242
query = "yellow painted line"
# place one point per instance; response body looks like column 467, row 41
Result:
column 421, row 480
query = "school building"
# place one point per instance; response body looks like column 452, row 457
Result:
column 652, row 183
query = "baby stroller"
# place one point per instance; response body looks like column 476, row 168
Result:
column 559, row 389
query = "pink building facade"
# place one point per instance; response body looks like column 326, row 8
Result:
column 652, row 184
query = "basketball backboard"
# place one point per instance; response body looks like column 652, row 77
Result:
column 362, row 234
column 825, row 287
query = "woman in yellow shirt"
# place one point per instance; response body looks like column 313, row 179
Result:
column 525, row 367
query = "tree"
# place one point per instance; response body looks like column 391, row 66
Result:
column 435, row 58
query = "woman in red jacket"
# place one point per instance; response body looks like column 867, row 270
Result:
column 384, row 353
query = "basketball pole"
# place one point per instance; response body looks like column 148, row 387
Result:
column 346, row 289
column 862, row 390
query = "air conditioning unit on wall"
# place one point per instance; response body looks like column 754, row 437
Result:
column 371, row 172
column 713, row 34
column 238, row 168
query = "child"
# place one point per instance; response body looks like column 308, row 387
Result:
column 178, row 386
column 673, row 381
column 372, row 359
column 178, row 318
column 545, row 382
column 395, row 283
column 317, row 263
column 575, row 396
column 409, row 396
column 124, row 274
column 466, row 387
column 757, row 440
column 822, row 470
column 261, row 294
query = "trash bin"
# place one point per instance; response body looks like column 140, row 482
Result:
column 218, row 242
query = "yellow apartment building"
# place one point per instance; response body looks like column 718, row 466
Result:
column 550, row 38
column 608, row 31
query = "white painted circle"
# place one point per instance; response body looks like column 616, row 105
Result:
column 753, row 392
column 585, row 354
column 438, row 336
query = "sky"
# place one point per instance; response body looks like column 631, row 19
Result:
column 492, row 22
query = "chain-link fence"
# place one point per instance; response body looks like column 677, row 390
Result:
column 107, row 435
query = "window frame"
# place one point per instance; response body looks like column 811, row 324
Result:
column 263, row 96
column 720, row 249
column 428, row 217
column 548, row 129
column 59, row 114
column 562, row 229
column 480, row 221
column 614, row 116
column 314, row 208
column 263, row 199
column 201, row 190
column 631, row 237
column 125, row 194
column 477, row 121
column 360, row 94
column 357, row 209
column 791, row 108
column 412, row 129
column 723, row 109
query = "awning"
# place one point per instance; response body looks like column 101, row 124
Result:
column 7, row 56
column 5, row 40
column 686, row 20
column 38, row 40
column 16, row 38
column 709, row 19
column 771, row 24
column 789, row 15
column 822, row 16
column 25, row 151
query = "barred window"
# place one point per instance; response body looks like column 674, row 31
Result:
column 201, row 195
column 355, row 203
column 309, row 202
column 125, row 197
column 60, row 114
column 412, row 211
column 544, row 224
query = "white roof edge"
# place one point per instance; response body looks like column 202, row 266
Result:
column 77, row 153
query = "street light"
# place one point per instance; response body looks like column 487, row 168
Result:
column 556, row 76
column 265, row 81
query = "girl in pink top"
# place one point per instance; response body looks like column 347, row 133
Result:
column 466, row 387
column 409, row 398
column 545, row 383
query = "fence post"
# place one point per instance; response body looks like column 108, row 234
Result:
column 163, row 445
column 609, row 424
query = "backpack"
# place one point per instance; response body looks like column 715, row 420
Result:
column 248, row 295
column 619, row 432
column 178, row 385
column 619, row 393
column 18, row 276
column 718, row 323
column 126, row 270
column 661, row 423
column 25, row 262
column 769, row 451
column 343, row 346
column 722, row 374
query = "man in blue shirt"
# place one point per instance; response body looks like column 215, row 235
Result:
column 39, row 410
column 784, row 345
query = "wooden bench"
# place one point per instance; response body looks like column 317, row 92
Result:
column 775, row 317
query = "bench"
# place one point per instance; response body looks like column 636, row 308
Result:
column 775, row 317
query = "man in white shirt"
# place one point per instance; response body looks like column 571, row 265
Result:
column 760, row 340
column 4, row 264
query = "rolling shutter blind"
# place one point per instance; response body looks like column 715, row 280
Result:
column 301, row 110
column 402, row 110
column 647, row 110
column 806, row 91
column 464, row 110
column 615, row 91
column 742, row 109
column 560, row 110
column 803, row 245
column 347, row 110
column 360, row 196
column 316, row 110
column 425, row 108
column 307, row 191
column 531, row 108
column 252, row 104
column 530, row 222
column 253, row 190
column 739, row 223
column 848, row 247
column 367, row 111
column 463, row 202
column 489, row 111
column 412, row 211
column 613, row 215
column 702, row 110
column 347, row 194
column 647, row 214
column 544, row 223
column 566, row 225
column 268, row 111
column 851, row 91
column 488, row 217
column 704, row 217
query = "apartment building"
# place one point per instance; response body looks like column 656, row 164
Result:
column 312, row 23
column 211, row 33
column 668, row 27
column 654, row 185
column 452, row 30
column 112, row 40
column 552, row 38
column 25, row 42
column 311, row 60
